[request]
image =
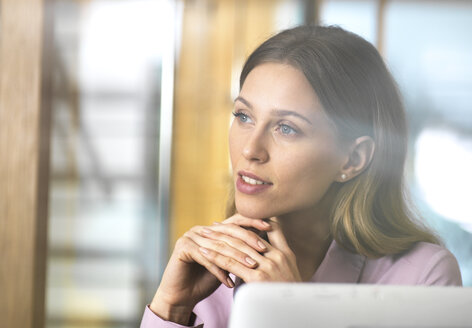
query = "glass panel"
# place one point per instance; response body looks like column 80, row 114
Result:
column 358, row 16
column 104, row 163
column 288, row 13
column 428, row 48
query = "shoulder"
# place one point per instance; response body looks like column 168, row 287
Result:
column 423, row 264
column 439, row 266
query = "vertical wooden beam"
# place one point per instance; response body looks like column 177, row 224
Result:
column 24, row 160
column 216, row 36
column 201, row 115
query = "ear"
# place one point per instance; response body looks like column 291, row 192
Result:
column 359, row 157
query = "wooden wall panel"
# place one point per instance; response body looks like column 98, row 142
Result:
column 216, row 38
column 24, row 140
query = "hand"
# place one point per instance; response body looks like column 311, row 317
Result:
column 190, row 277
column 231, row 248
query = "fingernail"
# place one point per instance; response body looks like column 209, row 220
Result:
column 230, row 282
column 250, row 261
column 216, row 223
column 204, row 250
column 261, row 245
column 206, row 231
column 265, row 224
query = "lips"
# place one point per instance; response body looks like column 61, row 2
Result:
column 250, row 184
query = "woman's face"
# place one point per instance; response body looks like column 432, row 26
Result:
column 284, row 151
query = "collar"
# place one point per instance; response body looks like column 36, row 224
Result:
column 339, row 266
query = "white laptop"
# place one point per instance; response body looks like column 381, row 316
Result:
column 350, row 306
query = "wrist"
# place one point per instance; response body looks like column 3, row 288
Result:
column 181, row 314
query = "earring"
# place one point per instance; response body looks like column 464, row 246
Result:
column 343, row 176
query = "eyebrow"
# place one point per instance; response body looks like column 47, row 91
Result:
column 278, row 112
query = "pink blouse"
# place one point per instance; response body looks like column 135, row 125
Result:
column 424, row 264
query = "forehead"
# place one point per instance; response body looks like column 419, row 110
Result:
column 280, row 86
column 276, row 86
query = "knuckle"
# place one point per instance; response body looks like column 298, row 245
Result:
column 270, row 265
column 278, row 256
column 216, row 234
column 181, row 241
column 211, row 255
column 219, row 245
column 237, row 243
column 228, row 262
column 260, row 276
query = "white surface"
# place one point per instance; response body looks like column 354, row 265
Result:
column 354, row 306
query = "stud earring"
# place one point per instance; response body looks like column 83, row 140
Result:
column 343, row 176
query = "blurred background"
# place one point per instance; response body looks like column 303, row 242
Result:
column 142, row 92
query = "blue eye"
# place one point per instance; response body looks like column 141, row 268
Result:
column 286, row 130
column 243, row 118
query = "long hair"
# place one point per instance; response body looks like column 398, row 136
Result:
column 371, row 213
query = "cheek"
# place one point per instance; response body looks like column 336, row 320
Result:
column 234, row 144
column 310, row 172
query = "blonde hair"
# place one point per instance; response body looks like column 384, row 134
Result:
column 371, row 213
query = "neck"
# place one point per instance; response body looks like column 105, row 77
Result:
column 308, row 235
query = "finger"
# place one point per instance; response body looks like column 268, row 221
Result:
column 225, row 248
column 276, row 236
column 236, row 243
column 231, row 265
column 196, row 255
column 247, row 236
column 243, row 221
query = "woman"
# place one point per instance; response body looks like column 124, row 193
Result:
column 317, row 147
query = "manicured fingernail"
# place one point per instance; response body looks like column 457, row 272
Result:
column 250, row 261
column 265, row 224
column 206, row 231
column 261, row 245
column 230, row 282
column 204, row 250
column 216, row 223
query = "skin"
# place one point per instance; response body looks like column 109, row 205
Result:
column 281, row 134
column 265, row 143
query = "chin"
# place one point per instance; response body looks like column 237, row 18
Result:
column 255, row 211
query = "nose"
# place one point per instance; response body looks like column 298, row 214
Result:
column 255, row 148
